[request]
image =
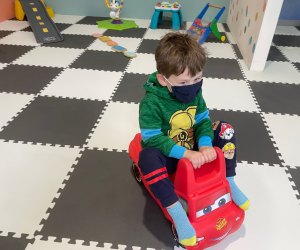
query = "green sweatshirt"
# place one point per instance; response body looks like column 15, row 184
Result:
column 172, row 126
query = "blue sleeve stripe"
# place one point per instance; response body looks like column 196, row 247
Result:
column 201, row 116
column 204, row 141
column 148, row 133
column 177, row 152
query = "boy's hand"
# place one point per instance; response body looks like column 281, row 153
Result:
column 209, row 153
column 195, row 157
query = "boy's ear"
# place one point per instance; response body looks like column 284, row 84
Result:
column 161, row 79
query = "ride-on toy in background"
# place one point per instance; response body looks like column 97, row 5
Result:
column 39, row 16
column 202, row 28
column 204, row 194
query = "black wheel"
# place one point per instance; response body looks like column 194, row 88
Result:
column 175, row 235
column 136, row 173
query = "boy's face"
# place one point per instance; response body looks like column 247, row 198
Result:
column 181, row 80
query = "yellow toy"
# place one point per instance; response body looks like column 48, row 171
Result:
column 20, row 14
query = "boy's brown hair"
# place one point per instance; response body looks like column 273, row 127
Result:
column 176, row 52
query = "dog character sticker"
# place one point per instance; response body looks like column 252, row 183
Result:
column 226, row 132
column 228, row 150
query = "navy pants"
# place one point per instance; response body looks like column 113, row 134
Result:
column 155, row 166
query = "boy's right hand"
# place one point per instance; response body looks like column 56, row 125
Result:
column 195, row 157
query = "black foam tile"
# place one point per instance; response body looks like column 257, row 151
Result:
column 73, row 41
column 101, row 60
column 55, row 121
column 102, row 202
column 131, row 88
column 277, row 97
column 297, row 65
column 26, row 79
column 223, row 68
column 134, row 32
column 298, row 27
column 295, row 173
column 148, row 46
column 253, row 141
column 91, row 20
column 226, row 27
column 237, row 51
column 9, row 53
column 60, row 26
column 12, row 243
column 4, row 33
column 213, row 39
column 275, row 55
column 286, row 40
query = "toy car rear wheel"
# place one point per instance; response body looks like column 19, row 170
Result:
column 175, row 235
column 136, row 173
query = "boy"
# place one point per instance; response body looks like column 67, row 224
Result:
column 175, row 123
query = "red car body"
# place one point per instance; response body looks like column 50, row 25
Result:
column 205, row 195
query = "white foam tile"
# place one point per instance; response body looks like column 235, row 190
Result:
column 156, row 34
column 121, row 119
column 220, row 27
column 219, row 50
column 48, row 56
column 142, row 64
column 230, row 38
column 188, row 25
column 273, row 73
column 83, row 29
column 142, row 23
column 67, row 18
column 30, row 177
column 82, row 83
column 291, row 53
column 64, row 245
column 13, row 25
column 25, row 38
column 284, row 129
column 3, row 65
column 11, row 104
column 287, row 30
column 274, row 216
column 228, row 94
column 131, row 44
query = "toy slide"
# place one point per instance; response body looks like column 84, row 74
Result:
column 44, row 29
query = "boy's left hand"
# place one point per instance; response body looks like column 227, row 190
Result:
column 209, row 153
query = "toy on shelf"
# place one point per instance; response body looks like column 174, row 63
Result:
column 114, row 45
column 116, row 23
column 39, row 16
column 162, row 7
column 202, row 28
column 204, row 193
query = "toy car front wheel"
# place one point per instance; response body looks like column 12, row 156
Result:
column 136, row 173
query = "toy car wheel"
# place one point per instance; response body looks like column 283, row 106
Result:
column 136, row 173
column 175, row 235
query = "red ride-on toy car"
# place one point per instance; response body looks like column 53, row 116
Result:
column 205, row 195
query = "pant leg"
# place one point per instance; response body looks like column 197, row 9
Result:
column 224, row 138
column 155, row 168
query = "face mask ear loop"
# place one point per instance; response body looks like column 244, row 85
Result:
column 168, row 86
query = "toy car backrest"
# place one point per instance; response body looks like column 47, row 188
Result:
column 189, row 181
column 135, row 148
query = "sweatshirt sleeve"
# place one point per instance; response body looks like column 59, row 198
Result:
column 150, row 121
column 203, row 126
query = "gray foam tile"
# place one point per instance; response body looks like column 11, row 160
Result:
column 297, row 65
column 12, row 243
column 284, row 40
column 26, row 79
column 101, row 60
column 102, row 202
column 237, row 51
column 295, row 174
column 134, row 32
column 253, row 141
column 55, row 121
column 4, row 33
column 213, row 39
column 226, row 27
column 73, row 41
column 91, row 20
column 131, row 88
column 222, row 68
column 148, row 46
column 9, row 53
column 277, row 97
column 275, row 55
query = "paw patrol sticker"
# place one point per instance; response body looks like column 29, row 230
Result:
column 226, row 131
column 228, row 150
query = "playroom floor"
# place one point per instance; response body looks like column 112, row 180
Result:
column 68, row 111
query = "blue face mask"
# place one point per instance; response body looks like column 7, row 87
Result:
column 187, row 93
